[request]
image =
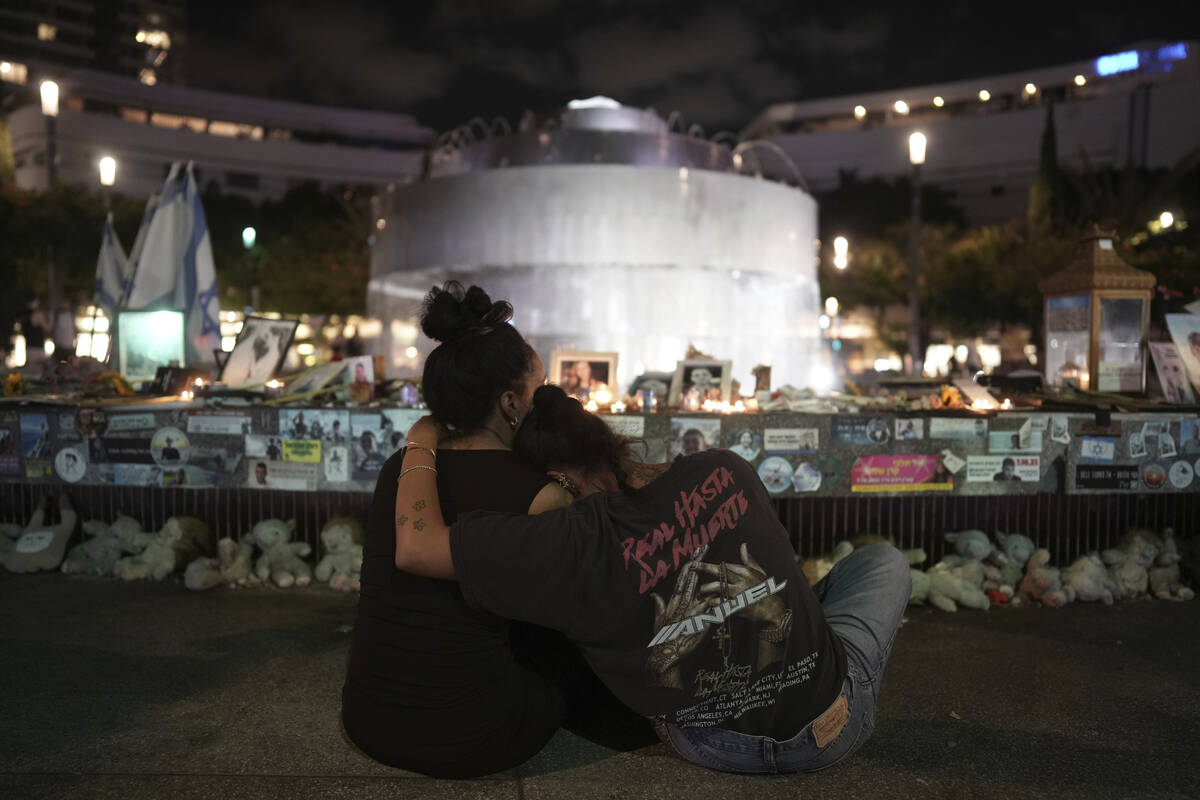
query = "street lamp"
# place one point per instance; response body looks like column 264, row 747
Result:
column 841, row 248
column 916, row 155
column 248, row 237
column 108, row 176
column 1166, row 219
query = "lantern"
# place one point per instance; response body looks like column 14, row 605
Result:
column 1097, row 311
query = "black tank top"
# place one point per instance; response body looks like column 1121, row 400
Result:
column 416, row 642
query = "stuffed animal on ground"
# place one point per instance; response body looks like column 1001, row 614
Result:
column 340, row 567
column 1165, row 580
column 98, row 554
column 9, row 533
column 817, row 567
column 1043, row 583
column 40, row 545
column 1129, row 562
column 969, row 545
column 1010, row 557
column 179, row 540
column 232, row 566
column 282, row 560
column 945, row 592
column 1090, row 580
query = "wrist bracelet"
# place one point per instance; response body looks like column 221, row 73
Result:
column 416, row 446
column 407, row 470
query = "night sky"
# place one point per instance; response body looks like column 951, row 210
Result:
column 718, row 63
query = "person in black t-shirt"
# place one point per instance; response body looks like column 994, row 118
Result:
column 434, row 685
column 680, row 586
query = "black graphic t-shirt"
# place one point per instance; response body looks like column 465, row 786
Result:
column 684, row 596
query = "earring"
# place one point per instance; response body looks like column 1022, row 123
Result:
column 514, row 422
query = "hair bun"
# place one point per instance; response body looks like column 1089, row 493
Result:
column 452, row 311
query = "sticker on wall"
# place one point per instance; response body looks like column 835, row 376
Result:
column 776, row 474
column 693, row 434
column 791, row 440
column 910, row 429
column 1153, row 475
column 956, row 428
column 908, row 473
column 136, row 474
column 129, row 422
column 71, row 464
column 91, row 422
column 1181, row 474
column 1136, row 444
column 806, row 478
column 188, row 477
column 10, row 445
column 747, row 443
column 1166, row 445
column 1060, row 430
column 983, row 469
column 1122, row 477
column 268, row 447
column 35, row 445
column 1097, row 449
column 281, row 475
column 1189, row 437
column 852, row 431
column 952, row 462
column 633, row 426
column 169, row 447
column 1011, row 442
column 337, row 464
column 325, row 425
column 219, row 424
column 307, row 451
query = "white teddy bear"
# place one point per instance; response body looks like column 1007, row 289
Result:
column 180, row 539
column 98, row 555
column 41, row 545
column 340, row 567
column 282, row 559
column 1129, row 561
column 1090, row 581
column 232, row 566
column 1165, row 579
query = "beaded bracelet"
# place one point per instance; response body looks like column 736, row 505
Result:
column 407, row 470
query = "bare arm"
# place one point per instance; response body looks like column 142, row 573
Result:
column 422, row 536
column 551, row 496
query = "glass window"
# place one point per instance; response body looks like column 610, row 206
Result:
column 1067, row 340
column 1120, row 345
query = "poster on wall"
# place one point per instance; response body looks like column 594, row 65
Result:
column 331, row 426
column 747, row 443
column 1172, row 374
column 855, row 431
column 1016, row 468
column 791, row 440
column 957, row 428
column 10, row 445
column 693, row 435
column 906, row 473
column 375, row 436
column 293, row 476
column 35, row 445
column 1121, row 477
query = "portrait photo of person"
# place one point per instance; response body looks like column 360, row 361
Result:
column 1189, row 437
column 169, row 451
column 582, row 375
column 693, row 435
column 259, row 352
column 747, row 444
column 1008, row 471
column 1185, row 332
column 260, row 473
column 709, row 379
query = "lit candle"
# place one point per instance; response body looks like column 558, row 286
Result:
column 617, row 407
column 603, row 396
column 591, row 406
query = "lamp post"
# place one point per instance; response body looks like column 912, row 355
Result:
column 249, row 235
column 108, row 176
column 916, row 155
column 49, row 95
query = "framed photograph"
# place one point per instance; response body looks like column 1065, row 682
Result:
column 712, row 378
column 581, row 374
column 147, row 340
column 1185, row 332
column 258, row 352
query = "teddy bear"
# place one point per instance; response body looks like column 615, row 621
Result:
column 1130, row 560
column 179, row 540
column 1165, row 580
column 282, row 559
column 1043, row 583
column 340, row 567
column 40, row 545
column 232, row 566
column 1090, row 580
column 945, row 592
column 98, row 554
column 1010, row 557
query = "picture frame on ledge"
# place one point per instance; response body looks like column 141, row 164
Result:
column 712, row 377
column 259, row 352
column 583, row 373
column 147, row 340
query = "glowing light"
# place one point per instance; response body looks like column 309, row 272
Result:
column 604, row 396
column 985, row 95
column 186, row 394
column 883, row 364
column 860, row 112
column 248, row 237
column 274, row 383
column 380, row 224
column 1031, row 88
column 147, row 77
column 916, row 148
column 901, row 107
column 1080, row 80
column 599, row 101
column 591, row 406
column 823, row 322
column 617, row 407
column 723, row 407
column 1117, row 62
column 1007, row 404
column 841, row 247
column 683, row 173
column 410, row 352
column 108, row 171
column 49, row 92
column 305, row 348
column 831, row 306
column 939, row 101
column 1166, row 219
column 5, row 67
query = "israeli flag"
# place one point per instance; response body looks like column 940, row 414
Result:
column 112, row 270
column 139, row 243
column 174, row 268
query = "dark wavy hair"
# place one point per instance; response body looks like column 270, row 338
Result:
column 559, row 432
column 481, row 356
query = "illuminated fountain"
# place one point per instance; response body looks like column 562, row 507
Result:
column 608, row 232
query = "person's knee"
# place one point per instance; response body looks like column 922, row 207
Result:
column 891, row 563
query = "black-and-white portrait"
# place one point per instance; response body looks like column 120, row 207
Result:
column 259, row 351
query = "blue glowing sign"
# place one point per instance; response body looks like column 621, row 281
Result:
column 1172, row 52
column 1118, row 62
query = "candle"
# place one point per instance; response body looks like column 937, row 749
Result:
column 591, row 406
column 617, row 407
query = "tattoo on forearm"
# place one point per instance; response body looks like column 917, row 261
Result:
column 419, row 525
column 400, row 520
column 417, row 506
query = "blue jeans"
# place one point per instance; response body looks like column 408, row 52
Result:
column 863, row 598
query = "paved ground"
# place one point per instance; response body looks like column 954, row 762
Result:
column 148, row 690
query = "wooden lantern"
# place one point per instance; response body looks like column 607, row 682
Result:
column 1097, row 311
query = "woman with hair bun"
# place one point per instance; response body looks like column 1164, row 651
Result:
column 433, row 685
column 681, row 588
